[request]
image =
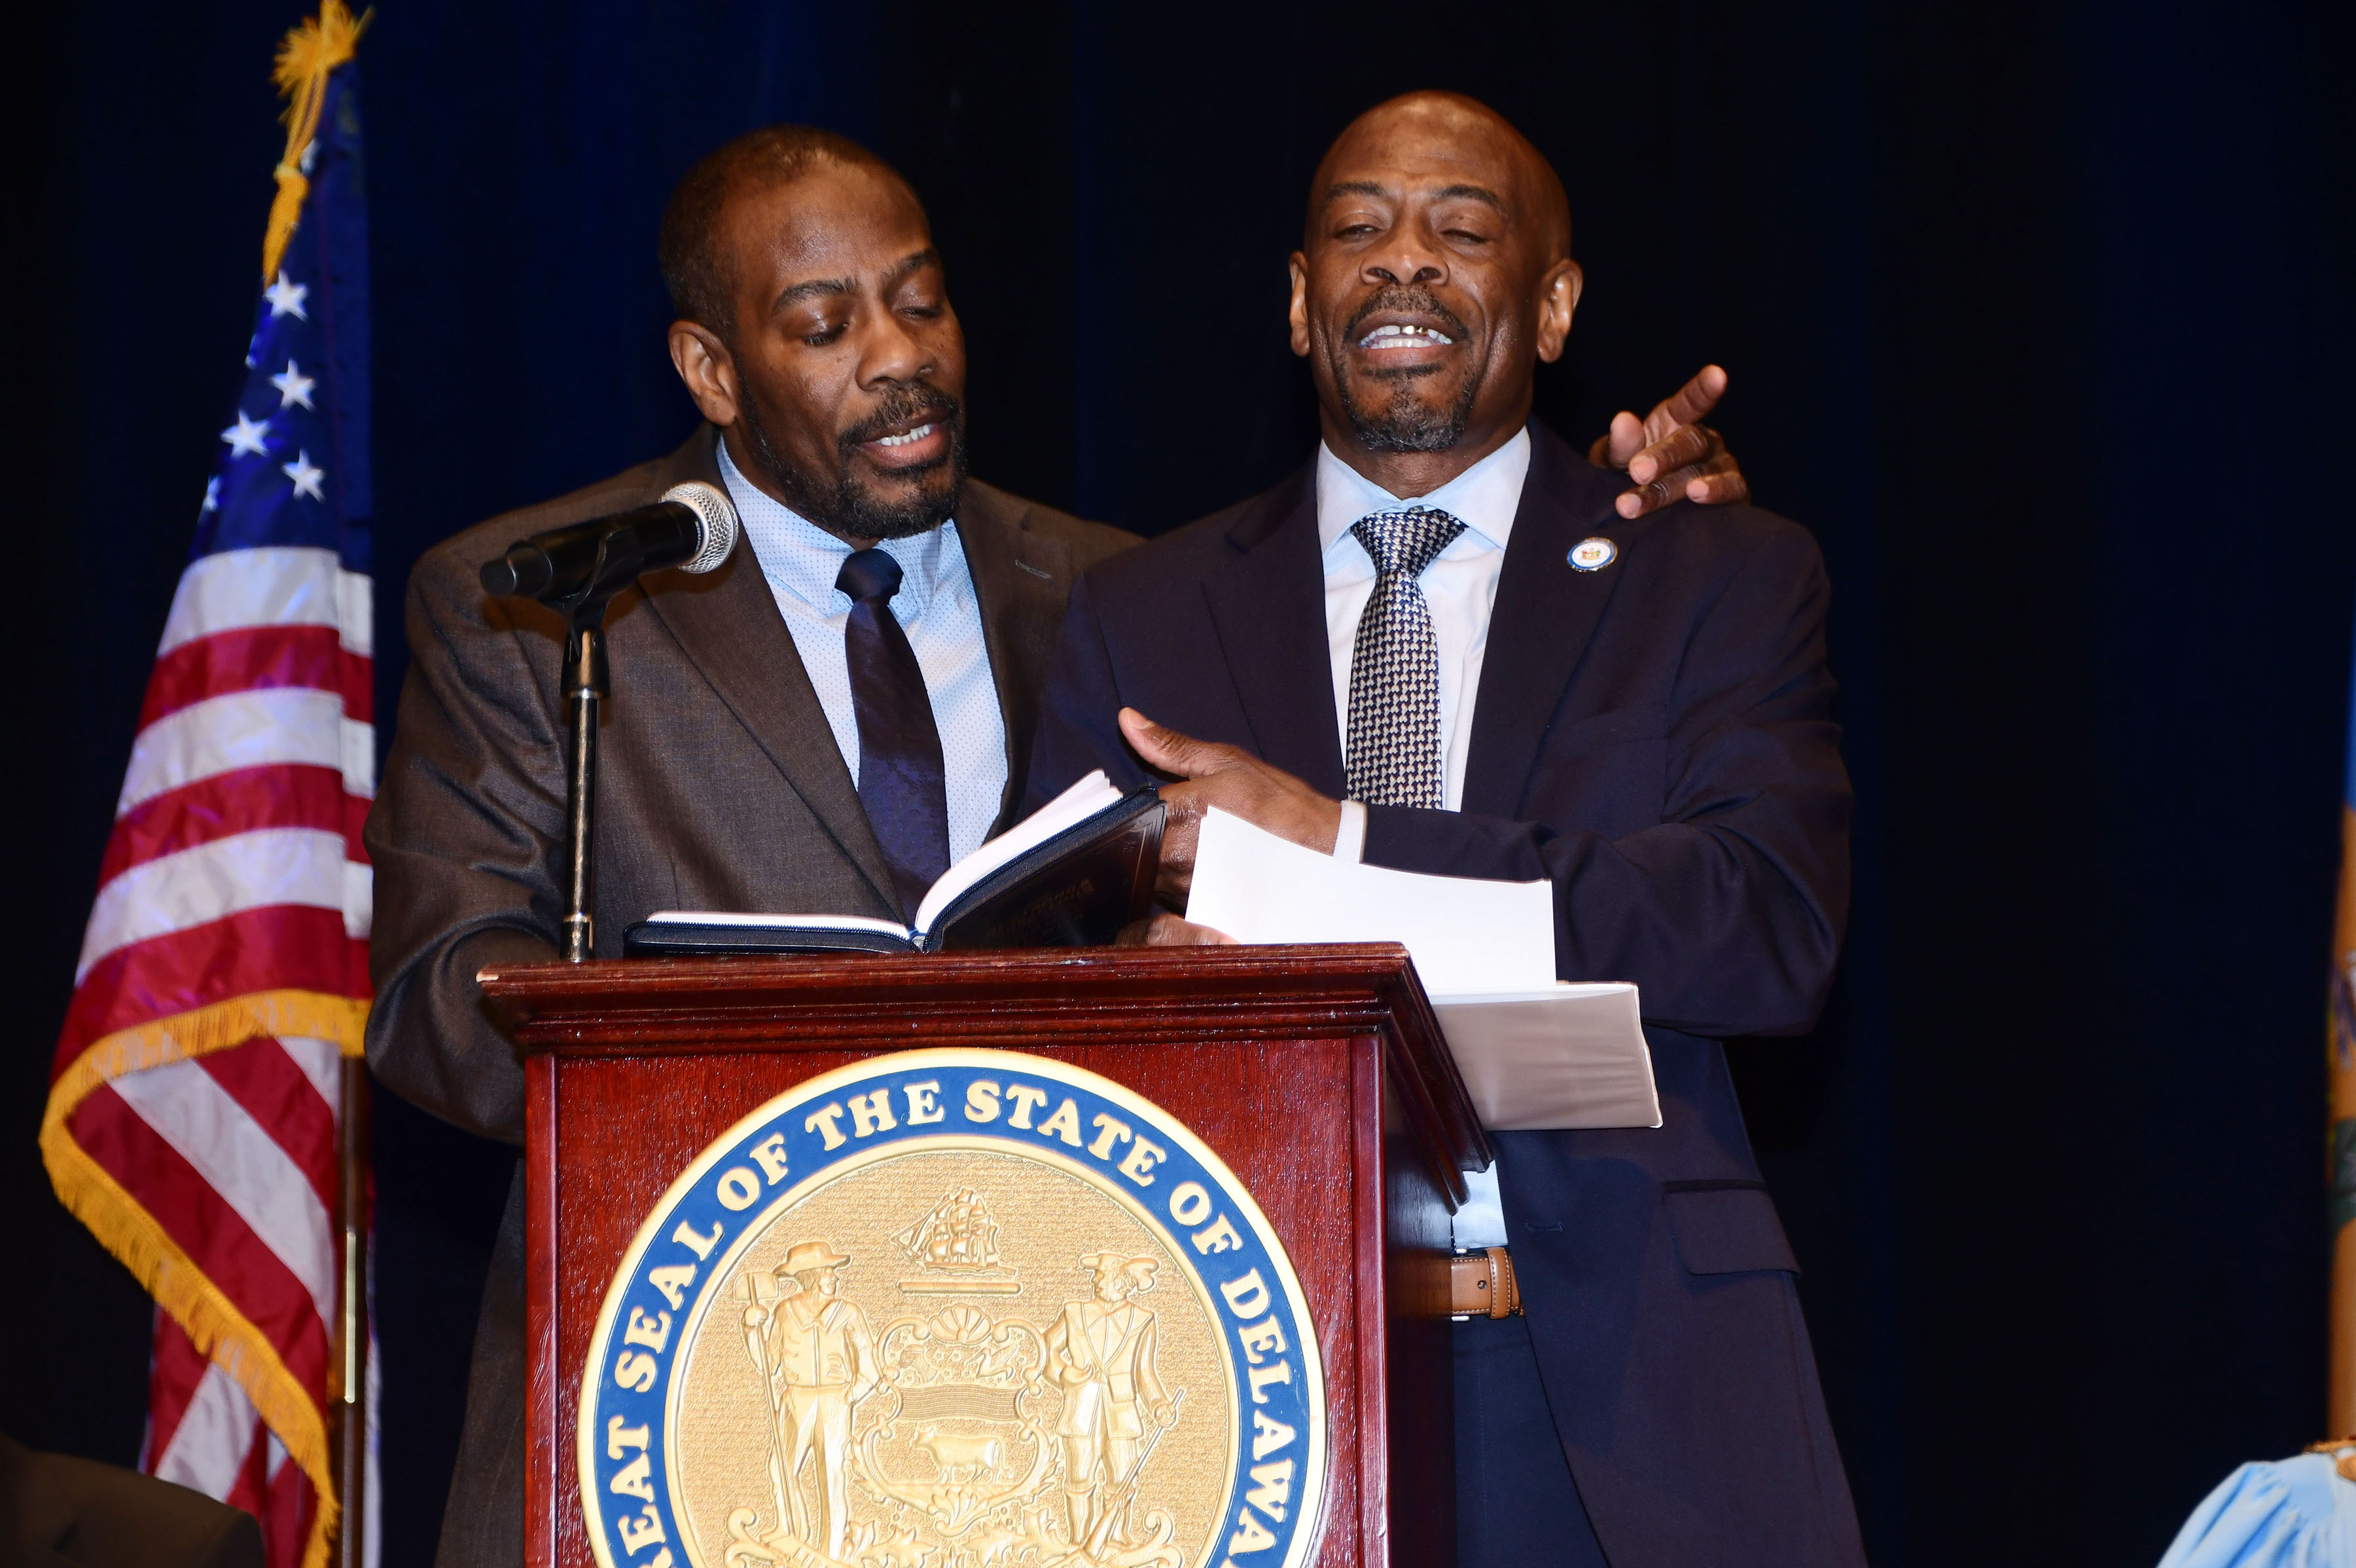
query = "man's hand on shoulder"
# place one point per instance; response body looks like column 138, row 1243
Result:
column 1232, row 779
column 1670, row 455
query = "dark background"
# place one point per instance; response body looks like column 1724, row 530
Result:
column 2037, row 312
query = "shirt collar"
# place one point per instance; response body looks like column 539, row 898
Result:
column 1483, row 498
column 803, row 559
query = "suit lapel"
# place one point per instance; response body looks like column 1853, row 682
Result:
column 1021, row 580
column 1269, row 606
column 727, row 624
column 1545, row 614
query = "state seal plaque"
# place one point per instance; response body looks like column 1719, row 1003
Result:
column 954, row 1309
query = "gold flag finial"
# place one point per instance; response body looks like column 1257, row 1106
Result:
column 305, row 58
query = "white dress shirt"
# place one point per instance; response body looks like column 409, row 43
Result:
column 1460, row 586
column 936, row 606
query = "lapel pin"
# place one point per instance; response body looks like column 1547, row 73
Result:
column 1593, row 555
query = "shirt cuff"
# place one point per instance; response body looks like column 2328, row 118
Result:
column 1350, row 843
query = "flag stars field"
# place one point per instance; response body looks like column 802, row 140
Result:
column 246, row 436
column 287, row 298
column 293, row 386
column 305, row 477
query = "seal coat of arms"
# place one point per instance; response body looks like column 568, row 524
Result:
column 954, row 1309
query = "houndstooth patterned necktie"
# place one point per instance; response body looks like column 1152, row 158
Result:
column 1393, row 750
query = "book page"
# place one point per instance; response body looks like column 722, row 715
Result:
column 1465, row 934
column 1073, row 807
column 780, row 922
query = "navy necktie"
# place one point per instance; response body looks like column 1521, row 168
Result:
column 901, row 781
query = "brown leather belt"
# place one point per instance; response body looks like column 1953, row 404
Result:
column 1481, row 1284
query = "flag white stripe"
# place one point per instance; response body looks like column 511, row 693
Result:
column 273, row 727
column 322, row 1063
column 360, row 898
column 244, row 871
column 273, row 584
column 250, row 1170
column 359, row 758
column 215, row 1432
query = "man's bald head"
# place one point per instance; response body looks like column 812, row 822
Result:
column 696, row 266
column 1434, row 275
column 1479, row 134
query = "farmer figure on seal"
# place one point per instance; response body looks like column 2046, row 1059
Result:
column 818, row 1360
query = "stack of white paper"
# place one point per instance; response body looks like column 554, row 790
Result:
column 1536, row 1052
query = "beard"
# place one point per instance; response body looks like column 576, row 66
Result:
column 848, row 510
column 1387, row 415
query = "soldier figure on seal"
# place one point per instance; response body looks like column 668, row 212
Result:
column 1103, row 1353
column 818, row 1360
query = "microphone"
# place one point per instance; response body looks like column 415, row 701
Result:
column 693, row 528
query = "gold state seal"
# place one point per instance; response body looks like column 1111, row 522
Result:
column 954, row 1309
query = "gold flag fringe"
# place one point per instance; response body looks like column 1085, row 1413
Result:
column 125, row 1228
column 305, row 58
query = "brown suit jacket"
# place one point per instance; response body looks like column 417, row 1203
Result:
column 56, row 1512
column 719, row 786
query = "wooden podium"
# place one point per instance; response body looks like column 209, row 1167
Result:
column 1318, row 1074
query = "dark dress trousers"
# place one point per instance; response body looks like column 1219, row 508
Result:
column 719, row 786
column 1654, row 738
column 56, row 1512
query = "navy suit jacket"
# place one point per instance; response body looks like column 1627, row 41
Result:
column 1654, row 738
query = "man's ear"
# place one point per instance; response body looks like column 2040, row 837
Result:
column 704, row 363
column 1299, row 264
column 1557, row 303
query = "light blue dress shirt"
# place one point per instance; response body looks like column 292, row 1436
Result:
column 1459, row 586
column 936, row 606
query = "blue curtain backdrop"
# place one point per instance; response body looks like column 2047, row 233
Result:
column 2037, row 312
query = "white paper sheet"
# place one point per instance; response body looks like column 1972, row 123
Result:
column 1536, row 1052
column 1466, row 935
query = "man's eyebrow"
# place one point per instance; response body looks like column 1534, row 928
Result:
column 1341, row 189
column 912, row 262
column 817, row 286
column 1472, row 192
column 812, row 289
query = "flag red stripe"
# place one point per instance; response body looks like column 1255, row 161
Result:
column 283, row 947
column 254, row 657
column 281, row 795
column 215, row 1237
column 289, row 1503
column 260, row 1076
column 173, row 1375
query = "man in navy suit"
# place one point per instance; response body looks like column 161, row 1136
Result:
column 1441, row 647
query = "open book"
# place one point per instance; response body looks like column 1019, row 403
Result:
column 1072, row 873
column 1536, row 1052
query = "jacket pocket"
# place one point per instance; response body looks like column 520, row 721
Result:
column 1639, row 721
column 1726, row 1226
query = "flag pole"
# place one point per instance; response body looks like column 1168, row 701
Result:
column 352, row 1318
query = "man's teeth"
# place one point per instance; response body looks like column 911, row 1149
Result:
column 902, row 440
column 1403, row 338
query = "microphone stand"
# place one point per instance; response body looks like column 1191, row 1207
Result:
column 585, row 681
column 626, row 545
column 586, row 687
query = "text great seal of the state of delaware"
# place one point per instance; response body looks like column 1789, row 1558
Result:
column 954, row 1309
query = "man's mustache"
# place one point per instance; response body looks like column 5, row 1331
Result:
column 1406, row 299
column 899, row 405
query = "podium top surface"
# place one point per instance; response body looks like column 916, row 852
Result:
column 1017, row 1000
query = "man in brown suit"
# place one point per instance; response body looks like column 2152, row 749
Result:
column 812, row 309
column 740, row 759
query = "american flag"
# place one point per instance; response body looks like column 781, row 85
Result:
column 192, row 1120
